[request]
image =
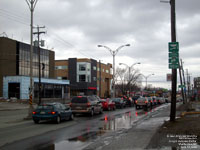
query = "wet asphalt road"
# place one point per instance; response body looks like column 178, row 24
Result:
column 83, row 132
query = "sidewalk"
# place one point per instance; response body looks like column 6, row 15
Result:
column 184, row 133
column 13, row 113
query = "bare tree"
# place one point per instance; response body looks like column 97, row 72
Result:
column 125, row 79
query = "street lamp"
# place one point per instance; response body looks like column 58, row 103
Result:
column 113, row 53
column 129, row 74
column 146, row 77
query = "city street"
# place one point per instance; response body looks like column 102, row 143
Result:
column 133, row 128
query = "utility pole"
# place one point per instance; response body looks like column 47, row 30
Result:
column 182, row 92
column 31, row 4
column 99, row 78
column 174, row 71
column 184, row 81
column 39, row 65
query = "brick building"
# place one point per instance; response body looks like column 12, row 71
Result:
column 15, row 71
column 87, row 76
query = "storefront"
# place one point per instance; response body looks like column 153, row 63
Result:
column 18, row 87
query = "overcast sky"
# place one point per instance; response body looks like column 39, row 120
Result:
column 75, row 28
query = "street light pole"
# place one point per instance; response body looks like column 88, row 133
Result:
column 31, row 4
column 129, row 74
column 113, row 53
column 146, row 77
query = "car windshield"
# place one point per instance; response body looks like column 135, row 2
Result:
column 45, row 107
column 79, row 99
column 115, row 99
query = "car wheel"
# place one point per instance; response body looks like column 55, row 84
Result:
column 58, row 119
column 36, row 121
column 137, row 107
column 92, row 113
column 71, row 117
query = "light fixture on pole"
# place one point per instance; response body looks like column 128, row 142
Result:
column 113, row 53
column 146, row 77
column 129, row 74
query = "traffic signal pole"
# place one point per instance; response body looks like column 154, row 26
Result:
column 174, row 71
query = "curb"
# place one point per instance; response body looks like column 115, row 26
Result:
column 189, row 113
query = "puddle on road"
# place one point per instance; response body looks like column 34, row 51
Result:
column 110, row 123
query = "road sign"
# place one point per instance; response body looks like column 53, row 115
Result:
column 173, row 60
column 173, row 66
column 173, row 46
column 181, row 86
column 173, row 54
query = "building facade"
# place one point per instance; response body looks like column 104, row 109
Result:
column 87, row 76
column 197, row 87
column 15, row 70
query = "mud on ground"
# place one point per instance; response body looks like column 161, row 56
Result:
column 185, row 131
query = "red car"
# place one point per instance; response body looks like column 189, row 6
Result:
column 108, row 104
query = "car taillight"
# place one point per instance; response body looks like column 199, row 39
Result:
column 151, row 101
column 129, row 98
column 33, row 112
column 136, row 102
column 145, row 102
column 88, row 104
column 53, row 112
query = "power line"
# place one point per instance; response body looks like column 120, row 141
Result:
column 19, row 19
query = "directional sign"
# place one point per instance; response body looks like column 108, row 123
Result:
column 181, row 86
column 173, row 60
column 173, row 47
column 173, row 54
column 173, row 66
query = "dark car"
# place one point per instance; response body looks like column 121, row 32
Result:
column 108, row 104
column 129, row 102
column 86, row 105
column 119, row 103
column 52, row 111
column 134, row 98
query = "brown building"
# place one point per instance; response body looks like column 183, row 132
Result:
column 87, row 76
column 15, row 61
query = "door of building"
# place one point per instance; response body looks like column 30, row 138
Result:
column 14, row 90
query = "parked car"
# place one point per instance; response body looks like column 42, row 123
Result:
column 154, row 100
column 142, row 102
column 119, row 103
column 108, row 104
column 134, row 98
column 160, row 100
column 86, row 105
column 129, row 102
column 52, row 111
column 150, row 99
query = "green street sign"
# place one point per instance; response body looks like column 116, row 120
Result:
column 173, row 46
column 173, row 66
column 173, row 60
column 181, row 86
column 173, row 54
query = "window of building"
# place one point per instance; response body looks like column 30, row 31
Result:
column 61, row 67
column 24, row 61
column 82, row 67
column 94, row 68
column 98, row 69
column 107, row 71
column 94, row 79
column 59, row 78
column 82, row 78
column 103, row 69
